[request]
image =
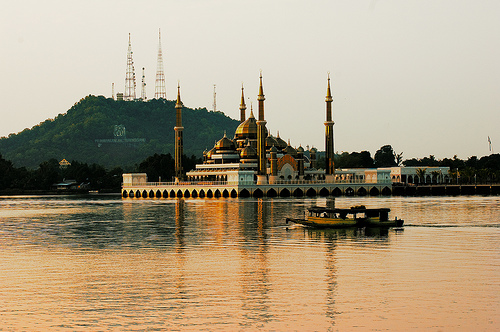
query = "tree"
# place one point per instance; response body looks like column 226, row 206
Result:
column 385, row 157
column 421, row 174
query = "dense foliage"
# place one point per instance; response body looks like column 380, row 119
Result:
column 49, row 172
column 72, row 135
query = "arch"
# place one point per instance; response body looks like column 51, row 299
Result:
column 234, row 194
column 374, row 191
column 158, row 194
column 144, row 194
column 210, row 194
column 244, row 193
column 131, row 194
column 225, row 193
column 258, row 193
column 217, row 193
column 124, row 194
column 311, row 192
column 362, row 191
column 271, row 193
column 172, row 193
column 187, row 194
column 194, row 194
column 165, row 193
column 324, row 192
column 337, row 192
column 179, row 193
column 298, row 192
column 151, row 194
column 386, row 191
column 202, row 193
column 285, row 193
column 349, row 192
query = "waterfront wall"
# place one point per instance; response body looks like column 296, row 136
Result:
column 224, row 189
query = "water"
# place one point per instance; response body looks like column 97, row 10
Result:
column 103, row 263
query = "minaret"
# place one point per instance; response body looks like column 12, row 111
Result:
column 160, row 90
column 329, row 154
column 261, row 138
column 130, row 75
column 243, row 107
column 178, row 137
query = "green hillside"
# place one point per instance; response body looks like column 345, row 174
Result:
column 73, row 135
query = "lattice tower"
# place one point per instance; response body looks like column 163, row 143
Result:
column 130, row 76
column 215, row 100
column 160, row 90
column 143, row 86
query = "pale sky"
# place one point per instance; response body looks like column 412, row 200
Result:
column 422, row 76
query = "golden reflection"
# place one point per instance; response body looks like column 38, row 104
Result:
column 254, row 275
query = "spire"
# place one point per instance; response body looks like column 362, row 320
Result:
column 179, row 102
column 261, row 99
column 243, row 107
column 328, row 101
column 160, row 90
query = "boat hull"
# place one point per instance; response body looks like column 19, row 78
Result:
column 345, row 223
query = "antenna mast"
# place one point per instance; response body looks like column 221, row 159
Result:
column 113, row 91
column 130, row 76
column 215, row 100
column 143, row 87
column 160, row 90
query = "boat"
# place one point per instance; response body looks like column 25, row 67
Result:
column 356, row 216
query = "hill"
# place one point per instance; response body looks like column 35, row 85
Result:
column 115, row 133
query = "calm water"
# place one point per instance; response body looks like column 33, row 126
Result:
column 103, row 263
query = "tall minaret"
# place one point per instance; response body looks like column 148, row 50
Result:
column 329, row 152
column 243, row 107
column 178, row 137
column 261, row 138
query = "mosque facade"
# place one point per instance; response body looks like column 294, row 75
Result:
column 253, row 163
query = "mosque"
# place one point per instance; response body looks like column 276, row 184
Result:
column 254, row 155
column 255, row 163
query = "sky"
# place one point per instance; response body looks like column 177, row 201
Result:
column 420, row 75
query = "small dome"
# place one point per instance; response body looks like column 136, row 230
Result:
column 225, row 144
column 248, row 153
column 210, row 153
column 291, row 151
column 313, row 150
column 273, row 149
column 270, row 141
column 300, row 149
column 281, row 144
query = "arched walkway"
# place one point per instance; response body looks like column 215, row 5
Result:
column 258, row 193
column 311, row 192
column 272, row 193
column 244, row 193
column 298, row 193
column 285, row 193
column 362, row 191
column 324, row 192
column 374, row 191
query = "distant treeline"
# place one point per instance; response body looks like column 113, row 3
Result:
column 473, row 170
column 161, row 167
column 93, row 176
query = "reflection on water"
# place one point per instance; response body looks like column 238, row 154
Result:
column 99, row 263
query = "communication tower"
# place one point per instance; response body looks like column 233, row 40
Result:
column 215, row 100
column 143, row 86
column 130, row 76
column 160, row 90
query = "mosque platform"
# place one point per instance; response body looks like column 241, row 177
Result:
column 140, row 188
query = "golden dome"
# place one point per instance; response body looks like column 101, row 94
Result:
column 290, row 151
column 248, row 153
column 225, row 144
column 281, row 144
column 270, row 141
column 247, row 129
column 210, row 153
